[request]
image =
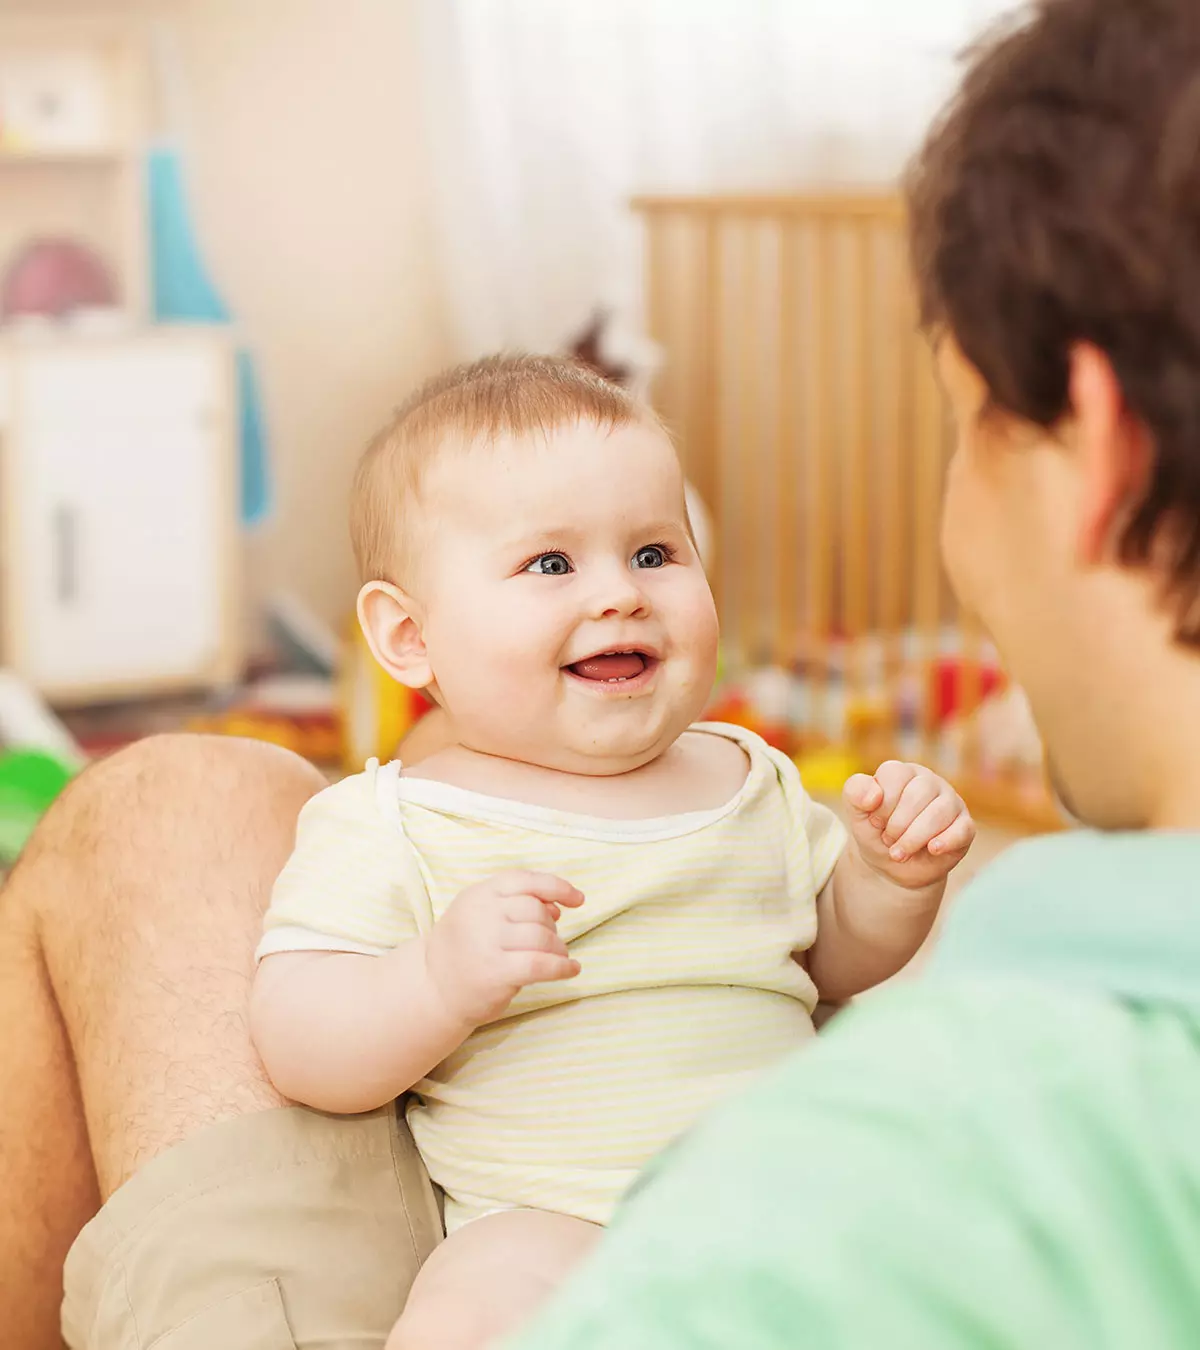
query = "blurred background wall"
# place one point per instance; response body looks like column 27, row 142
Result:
column 310, row 184
column 380, row 187
column 384, row 185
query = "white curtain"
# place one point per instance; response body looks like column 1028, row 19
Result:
column 547, row 115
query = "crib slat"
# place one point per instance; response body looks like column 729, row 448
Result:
column 897, row 352
column 658, row 282
column 854, row 479
column 813, row 427
column 822, row 507
column 703, row 458
column 744, row 579
column 788, row 615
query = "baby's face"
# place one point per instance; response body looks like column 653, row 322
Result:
column 566, row 615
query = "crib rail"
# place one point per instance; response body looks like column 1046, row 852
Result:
column 808, row 415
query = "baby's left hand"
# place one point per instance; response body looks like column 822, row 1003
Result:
column 910, row 825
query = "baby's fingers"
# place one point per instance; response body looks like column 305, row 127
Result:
column 544, row 886
column 531, row 937
column 893, row 779
column 956, row 839
column 933, row 823
column 917, row 796
column 524, row 968
column 529, row 909
column 862, row 794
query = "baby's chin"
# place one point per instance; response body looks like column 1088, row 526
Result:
column 598, row 760
column 597, row 756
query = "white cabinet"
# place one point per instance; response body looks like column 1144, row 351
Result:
column 119, row 513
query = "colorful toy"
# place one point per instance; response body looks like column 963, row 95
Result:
column 734, row 705
column 316, row 736
column 53, row 277
column 958, row 687
column 30, row 780
column 824, row 772
column 41, row 759
column 360, row 713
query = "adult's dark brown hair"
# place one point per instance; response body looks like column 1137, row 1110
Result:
column 1057, row 201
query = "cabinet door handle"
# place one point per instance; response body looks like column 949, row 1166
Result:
column 66, row 555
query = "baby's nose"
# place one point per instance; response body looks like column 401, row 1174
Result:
column 622, row 599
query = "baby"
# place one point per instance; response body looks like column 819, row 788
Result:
column 573, row 931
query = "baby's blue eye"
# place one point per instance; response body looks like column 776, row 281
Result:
column 651, row 556
column 550, row 565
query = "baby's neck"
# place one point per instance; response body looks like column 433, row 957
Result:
column 697, row 773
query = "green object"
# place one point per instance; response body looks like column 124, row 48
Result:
column 1003, row 1156
column 29, row 781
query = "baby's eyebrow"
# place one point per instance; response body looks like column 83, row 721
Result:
column 518, row 547
column 540, row 538
column 677, row 526
column 546, row 539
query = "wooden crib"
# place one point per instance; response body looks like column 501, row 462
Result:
column 807, row 411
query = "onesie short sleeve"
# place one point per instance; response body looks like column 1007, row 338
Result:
column 824, row 834
column 352, row 883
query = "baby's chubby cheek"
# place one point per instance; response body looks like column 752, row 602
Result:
column 498, row 668
column 700, row 639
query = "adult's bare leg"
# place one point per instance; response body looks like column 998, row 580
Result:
column 126, row 942
column 46, row 1173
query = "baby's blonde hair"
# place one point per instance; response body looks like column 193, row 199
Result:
column 480, row 401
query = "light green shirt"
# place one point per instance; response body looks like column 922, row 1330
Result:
column 1004, row 1156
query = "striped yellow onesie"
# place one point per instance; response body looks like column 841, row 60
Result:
column 686, row 938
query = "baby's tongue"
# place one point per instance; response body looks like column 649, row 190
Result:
column 614, row 666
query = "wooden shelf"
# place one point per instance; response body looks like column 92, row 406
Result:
column 880, row 204
column 102, row 157
column 77, row 175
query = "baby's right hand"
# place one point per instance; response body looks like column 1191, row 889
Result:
column 495, row 938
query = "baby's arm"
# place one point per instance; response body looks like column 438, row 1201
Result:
column 909, row 829
column 346, row 1033
column 352, row 1004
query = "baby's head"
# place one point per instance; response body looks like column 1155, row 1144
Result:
column 526, row 557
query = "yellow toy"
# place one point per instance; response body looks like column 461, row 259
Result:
column 824, row 772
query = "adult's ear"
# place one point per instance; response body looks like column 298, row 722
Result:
column 391, row 623
column 1113, row 450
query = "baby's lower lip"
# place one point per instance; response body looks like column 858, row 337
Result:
column 616, row 685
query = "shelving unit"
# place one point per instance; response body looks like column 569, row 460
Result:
column 118, row 439
column 74, row 123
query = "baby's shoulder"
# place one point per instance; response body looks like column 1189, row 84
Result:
column 732, row 750
column 361, row 799
column 716, row 743
column 707, row 754
column 725, row 743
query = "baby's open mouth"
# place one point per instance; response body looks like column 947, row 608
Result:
column 612, row 667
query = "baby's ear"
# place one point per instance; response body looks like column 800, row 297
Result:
column 393, row 634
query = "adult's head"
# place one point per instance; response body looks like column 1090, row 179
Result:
column 1056, row 235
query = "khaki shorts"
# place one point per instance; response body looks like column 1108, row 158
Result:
column 279, row 1230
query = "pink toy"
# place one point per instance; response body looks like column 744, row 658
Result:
column 53, row 277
